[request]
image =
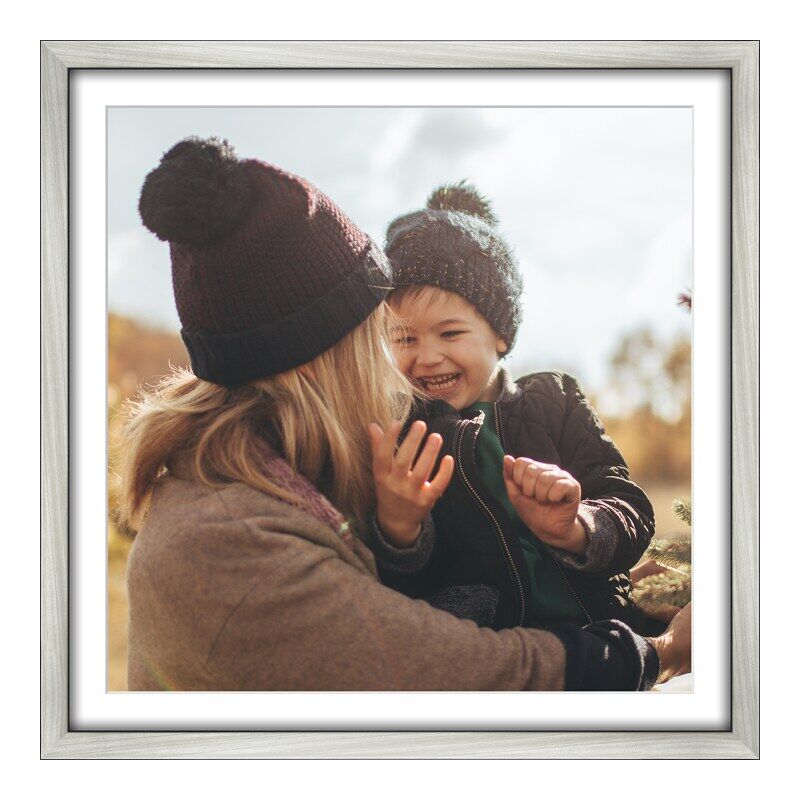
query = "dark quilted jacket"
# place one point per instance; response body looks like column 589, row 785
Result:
column 543, row 416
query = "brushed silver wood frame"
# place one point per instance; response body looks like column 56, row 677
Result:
column 740, row 57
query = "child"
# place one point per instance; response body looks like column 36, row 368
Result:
column 540, row 523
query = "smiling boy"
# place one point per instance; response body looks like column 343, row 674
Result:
column 540, row 523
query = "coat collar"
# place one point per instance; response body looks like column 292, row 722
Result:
column 509, row 390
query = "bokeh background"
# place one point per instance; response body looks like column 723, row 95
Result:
column 597, row 203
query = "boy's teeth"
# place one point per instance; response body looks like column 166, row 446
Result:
column 441, row 381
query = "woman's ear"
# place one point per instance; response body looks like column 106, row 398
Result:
column 502, row 347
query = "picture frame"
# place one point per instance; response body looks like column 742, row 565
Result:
column 58, row 59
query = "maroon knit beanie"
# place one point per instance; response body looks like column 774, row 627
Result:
column 267, row 272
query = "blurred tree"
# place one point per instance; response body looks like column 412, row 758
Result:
column 648, row 374
column 138, row 354
column 650, row 392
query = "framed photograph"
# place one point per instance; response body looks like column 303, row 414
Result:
column 617, row 186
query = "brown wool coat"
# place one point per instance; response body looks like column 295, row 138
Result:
column 231, row 589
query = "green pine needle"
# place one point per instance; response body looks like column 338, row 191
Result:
column 666, row 589
column 671, row 552
column 673, row 587
column 682, row 508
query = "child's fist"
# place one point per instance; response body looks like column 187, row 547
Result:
column 546, row 498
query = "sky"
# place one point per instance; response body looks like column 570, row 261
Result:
column 595, row 202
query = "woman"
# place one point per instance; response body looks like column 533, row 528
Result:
column 249, row 479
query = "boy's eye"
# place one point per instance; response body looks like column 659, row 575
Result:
column 452, row 334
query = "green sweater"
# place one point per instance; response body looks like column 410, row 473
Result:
column 550, row 595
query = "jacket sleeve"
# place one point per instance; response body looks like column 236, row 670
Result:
column 405, row 560
column 320, row 623
column 616, row 513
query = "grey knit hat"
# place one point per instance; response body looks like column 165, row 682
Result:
column 454, row 244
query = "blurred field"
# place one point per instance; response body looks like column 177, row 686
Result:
column 653, row 435
column 118, row 548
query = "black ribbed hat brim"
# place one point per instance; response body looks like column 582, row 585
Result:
column 238, row 357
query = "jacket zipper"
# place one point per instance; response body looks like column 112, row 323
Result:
column 574, row 593
column 499, row 429
column 487, row 511
column 554, row 560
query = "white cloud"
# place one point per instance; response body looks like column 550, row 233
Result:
column 139, row 277
column 595, row 202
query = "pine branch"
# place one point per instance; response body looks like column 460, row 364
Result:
column 682, row 508
column 671, row 552
column 665, row 589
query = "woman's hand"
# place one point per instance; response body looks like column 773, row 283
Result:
column 674, row 646
column 403, row 489
column 546, row 498
column 646, row 569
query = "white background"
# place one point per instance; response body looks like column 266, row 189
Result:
column 19, row 317
column 92, row 708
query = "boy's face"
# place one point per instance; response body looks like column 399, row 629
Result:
column 447, row 347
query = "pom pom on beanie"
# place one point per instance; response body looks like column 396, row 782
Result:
column 463, row 197
column 197, row 194
column 267, row 271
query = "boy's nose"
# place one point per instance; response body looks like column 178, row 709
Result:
column 428, row 355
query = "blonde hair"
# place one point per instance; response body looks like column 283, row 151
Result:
column 318, row 414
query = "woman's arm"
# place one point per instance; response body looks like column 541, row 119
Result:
column 318, row 623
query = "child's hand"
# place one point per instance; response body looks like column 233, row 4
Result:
column 403, row 491
column 546, row 498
